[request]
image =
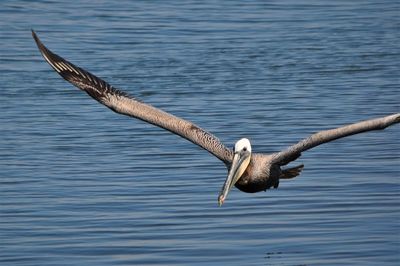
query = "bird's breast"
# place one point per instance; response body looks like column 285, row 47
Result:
column 260, row 175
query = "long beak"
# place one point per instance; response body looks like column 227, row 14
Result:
column 239, row 165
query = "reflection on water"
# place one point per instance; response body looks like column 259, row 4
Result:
column 82, row 185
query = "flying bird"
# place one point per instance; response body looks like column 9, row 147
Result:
column 249, row 172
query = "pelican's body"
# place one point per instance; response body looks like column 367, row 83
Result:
column 261, row 174
column 249, row 172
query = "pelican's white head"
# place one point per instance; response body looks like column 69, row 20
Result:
column 240, row 161
column 242, row 144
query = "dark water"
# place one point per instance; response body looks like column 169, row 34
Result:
column 80, row 185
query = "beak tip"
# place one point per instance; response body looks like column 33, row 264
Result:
column 221, row 200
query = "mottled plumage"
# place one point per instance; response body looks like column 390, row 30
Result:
column 122, row 103
column 249, row 172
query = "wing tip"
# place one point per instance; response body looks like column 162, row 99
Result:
column 390, row 120
column 39, row 44
column 397, row 118
column 49, row 56
column 95, row 86
column 33, row 33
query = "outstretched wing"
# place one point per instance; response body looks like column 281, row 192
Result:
column 122, row 103
column 292, row 153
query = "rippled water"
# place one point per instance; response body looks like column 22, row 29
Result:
column 80, row 185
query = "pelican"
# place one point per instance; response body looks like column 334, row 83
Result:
column 249, row 172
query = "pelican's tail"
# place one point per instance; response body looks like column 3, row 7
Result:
column 291, row 172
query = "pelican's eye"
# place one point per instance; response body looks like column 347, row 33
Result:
column 245, row 149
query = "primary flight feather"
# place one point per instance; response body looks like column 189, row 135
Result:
column 248, row 171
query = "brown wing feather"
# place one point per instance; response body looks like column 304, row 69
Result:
column 293, row 152
column 122, row 103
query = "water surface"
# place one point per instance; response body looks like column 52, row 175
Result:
column 80, row 185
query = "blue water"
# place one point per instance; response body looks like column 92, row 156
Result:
column 81, row 185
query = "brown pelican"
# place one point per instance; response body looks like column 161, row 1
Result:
column 249, row 172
